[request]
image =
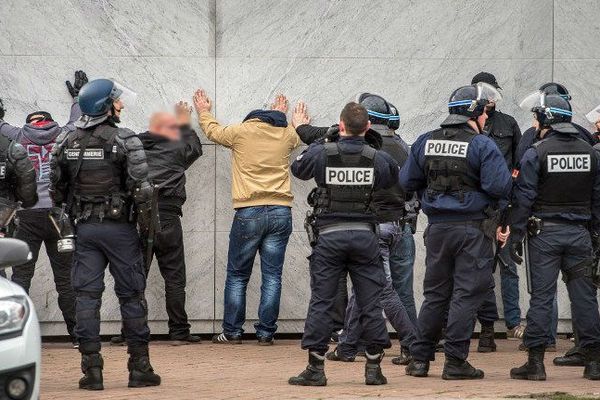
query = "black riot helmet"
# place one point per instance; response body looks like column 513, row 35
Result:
column 557, row 89
column 549, row 109
column 470, row 101
column 380, row 110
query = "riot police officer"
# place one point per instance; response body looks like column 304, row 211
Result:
column 17, row 174
column 100, row 177
column 504, row 130
column 389, row 205
column 530, row 136
column 18, row 186
column 346, row 172
column 556, row 201
column 461, row 176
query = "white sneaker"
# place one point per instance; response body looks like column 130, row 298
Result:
column 515, row 333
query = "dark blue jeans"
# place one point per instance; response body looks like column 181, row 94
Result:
column 266, row 230
column 401, row 265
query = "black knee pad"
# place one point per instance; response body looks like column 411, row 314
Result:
column 88, row 305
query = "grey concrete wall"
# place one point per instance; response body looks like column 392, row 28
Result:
column 243, row 52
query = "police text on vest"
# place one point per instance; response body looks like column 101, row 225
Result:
column 88, row 154
column 569, row 163
column 349, row 176
column 446, row 148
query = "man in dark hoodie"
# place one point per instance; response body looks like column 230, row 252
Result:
column 171, row 147
column 38, row 136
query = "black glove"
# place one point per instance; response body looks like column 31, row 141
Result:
column 516, row 251
column 80, row 80
column 2, row 109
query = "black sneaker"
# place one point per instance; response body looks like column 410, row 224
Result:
column 189, row 339
column 118, row 341
column 404, row 359
column 335, row 336
column 419, row 369
column 75, row 342
column 335, row 356
column 223, row 338
column 265, row 340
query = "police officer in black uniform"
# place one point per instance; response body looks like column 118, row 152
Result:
column 389, row 205
column 530, row 136
column 504, row 130
column 573, row 357
column 460, row 175
column 346, row 172
column 100, row 178
column 557, row 205
column 18, row 186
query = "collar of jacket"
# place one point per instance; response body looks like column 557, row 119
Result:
column 272, row 117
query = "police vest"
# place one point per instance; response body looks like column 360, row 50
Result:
column 100, row 184
column 349, row 180
column 7, row 184
column 566, row 177
column 389, row 204
column 446, row 165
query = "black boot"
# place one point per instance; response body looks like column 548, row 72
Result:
column 533, row 369
column 417, row 368
column 405, row 357
column 314, row 374
column 373, row 374
column 486, row 339
column 592, row 364
column 572, row 358
column 457, row 369
column 91, row 366
column 141, row 373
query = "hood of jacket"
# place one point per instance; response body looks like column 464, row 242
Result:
column 42, row 134
column 273, row 117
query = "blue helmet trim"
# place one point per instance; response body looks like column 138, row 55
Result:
column 561, row 111
column 459, row 103
column 383, row 116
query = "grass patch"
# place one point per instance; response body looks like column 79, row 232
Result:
column 554, row 396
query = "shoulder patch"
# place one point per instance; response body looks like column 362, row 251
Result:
column 125, row 133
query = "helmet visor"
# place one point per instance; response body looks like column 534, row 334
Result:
column 532, row 100
column 120, row 92
column 485, row 91
column 594, row 115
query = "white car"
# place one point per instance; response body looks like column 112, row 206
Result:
column 20, row 340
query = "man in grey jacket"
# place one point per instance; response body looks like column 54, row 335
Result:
column 34, row 227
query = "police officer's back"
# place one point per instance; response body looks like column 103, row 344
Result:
column 99, row 174
column 346, row 173
column 556, row 206
column 530, row 136
column 17, row 180
column 459, row 174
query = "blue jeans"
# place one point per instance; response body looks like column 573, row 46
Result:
column 509, row 284
column 401, row 264
column 266, row 230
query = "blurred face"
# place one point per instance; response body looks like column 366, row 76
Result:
column 165, row 125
